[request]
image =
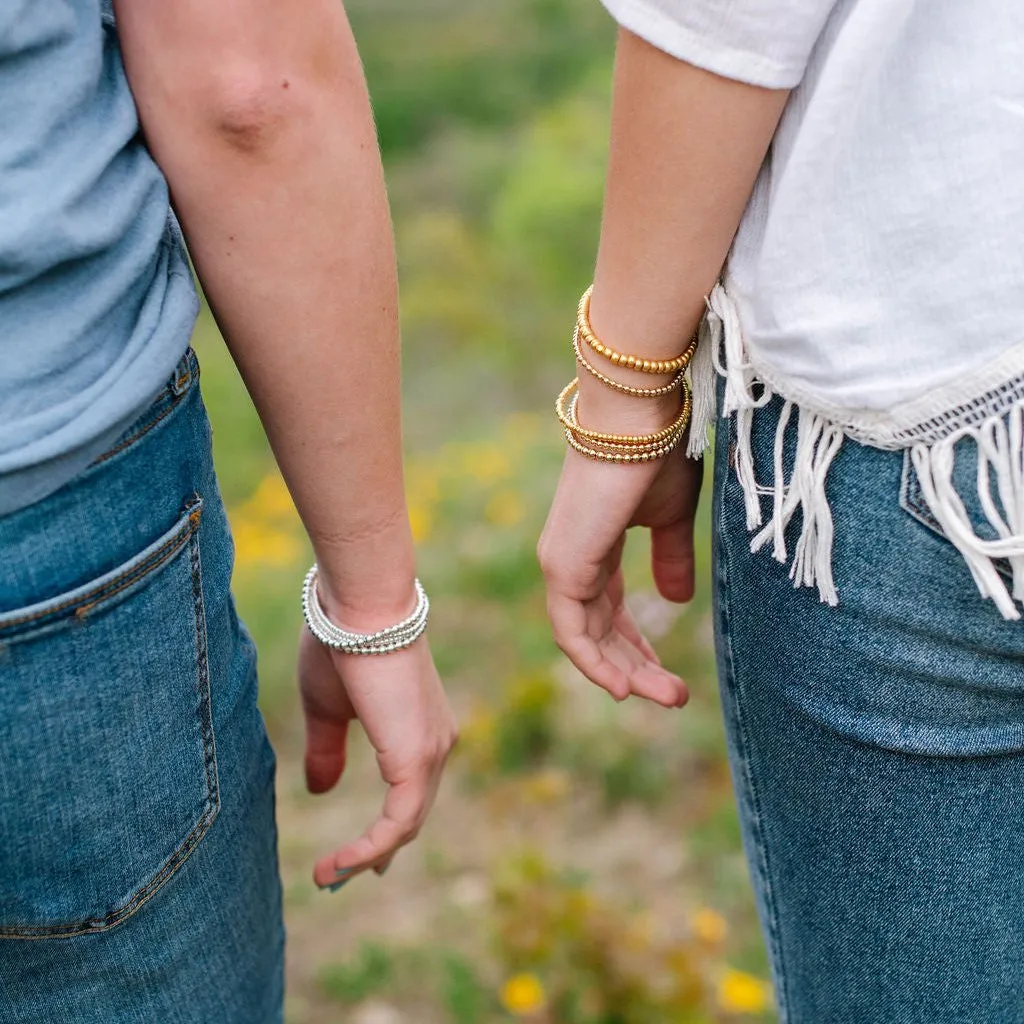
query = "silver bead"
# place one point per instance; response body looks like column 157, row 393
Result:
column 384, row 641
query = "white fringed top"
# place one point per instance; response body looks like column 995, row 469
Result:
column 876, row 282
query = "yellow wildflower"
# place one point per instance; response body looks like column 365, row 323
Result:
column 506, row 508
column 523, row 995
column 739, row 992
column 709, row 926
column 422, row 481
column 478, row 727
column 579, row 903
column 421, row 521
column 271, row 499
column 546, row 787
column 477, row 739
column 258, row 544
column 485, row 462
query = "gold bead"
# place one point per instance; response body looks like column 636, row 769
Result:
column 584, row 331
column 677, row 382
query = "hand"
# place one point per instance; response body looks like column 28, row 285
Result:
column 580, row 553
column 402, row 706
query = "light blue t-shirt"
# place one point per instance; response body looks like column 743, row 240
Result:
column 97, row 302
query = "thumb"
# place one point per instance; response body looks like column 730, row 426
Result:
column 672, row 562
column 326, row 742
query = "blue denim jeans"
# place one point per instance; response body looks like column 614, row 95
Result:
column 138, row 868
column 877, row 750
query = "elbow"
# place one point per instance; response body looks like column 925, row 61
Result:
column 251, row 111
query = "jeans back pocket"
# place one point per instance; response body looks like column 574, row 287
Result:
column 108, row 775
column 965, row 480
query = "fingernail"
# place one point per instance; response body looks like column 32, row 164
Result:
column 343, row 876
column 383, row 870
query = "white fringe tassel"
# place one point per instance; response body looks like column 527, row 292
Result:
column 702, row 385
column 817, row 443
column 1000, row 440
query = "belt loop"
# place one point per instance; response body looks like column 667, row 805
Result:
column 182, row 374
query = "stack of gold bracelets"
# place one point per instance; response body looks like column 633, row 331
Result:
column 622, row 448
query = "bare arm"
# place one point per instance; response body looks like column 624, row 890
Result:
column 258, row 114
column 686, row 146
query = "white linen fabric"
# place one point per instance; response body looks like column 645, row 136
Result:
column 876, row 282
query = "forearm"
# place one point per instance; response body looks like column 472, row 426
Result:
column 686, row 147
column 275, row 173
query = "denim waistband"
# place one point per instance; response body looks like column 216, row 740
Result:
column 130, row 493
column 24, row 487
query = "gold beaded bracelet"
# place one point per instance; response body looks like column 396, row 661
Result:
column 654, row 448
column 567, row 403
column 620, row 448
column 626, row 389
column 618, row 358
column 600, row 456
column 635, row 448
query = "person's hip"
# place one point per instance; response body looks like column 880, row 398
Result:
column 136, row 782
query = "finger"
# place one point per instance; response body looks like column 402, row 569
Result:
column 655, row 684
column 617, row 666
column 327, row 712
column 627, row 625
column 636, row 653
column 405, row 808
column 624, row 619
column 569, row 625
column 646, row 678
column 672, row 560
column 589, row 634
column 326, row 745
column 589, row 637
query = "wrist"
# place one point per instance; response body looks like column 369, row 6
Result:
column 372, row 608
column 343, row 639
column 602, row 408
column 616, row 394
column 370, row 585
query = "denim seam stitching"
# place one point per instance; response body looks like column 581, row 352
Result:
column 912, row 502
column 144, row 429
column 203, row 667
column 91, row 598
column 142, row 896
column 210, row 811
column 775, row 945
column 173, row 393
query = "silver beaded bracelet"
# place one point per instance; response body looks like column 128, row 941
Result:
column 384, row 641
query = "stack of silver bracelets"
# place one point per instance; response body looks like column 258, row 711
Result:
column 384, row 641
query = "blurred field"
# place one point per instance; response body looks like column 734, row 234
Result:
column 583, row 865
